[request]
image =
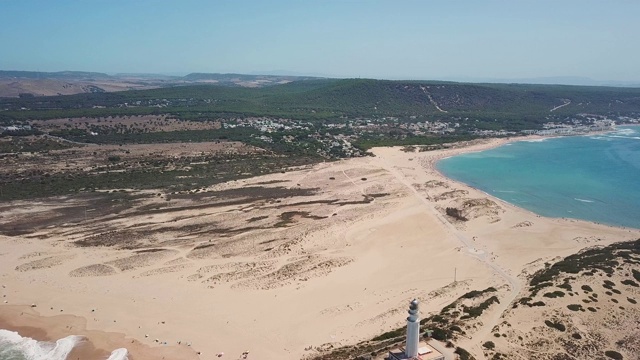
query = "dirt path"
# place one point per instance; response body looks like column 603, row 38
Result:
column 472, row 345
column 433, row 102
column 566, row 102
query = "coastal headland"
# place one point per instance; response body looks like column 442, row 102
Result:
column 286, row 265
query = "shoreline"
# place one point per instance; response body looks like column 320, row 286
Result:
column 345, row 305
column 95, row 344
column 28, row 324
column 498, row 142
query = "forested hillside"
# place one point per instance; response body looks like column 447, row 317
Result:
column 511, row 107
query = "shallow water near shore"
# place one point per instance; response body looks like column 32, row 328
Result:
column 15, row 347
column 593, row 178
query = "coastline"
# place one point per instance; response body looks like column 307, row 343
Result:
column 491, row 144
column 95, row 344
column 233, row 319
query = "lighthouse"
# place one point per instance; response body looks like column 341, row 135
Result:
column 413, row 331
column 414, row 349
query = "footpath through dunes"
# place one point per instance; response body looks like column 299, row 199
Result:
column 286, row 265
column 468, row 246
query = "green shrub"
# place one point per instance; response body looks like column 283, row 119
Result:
column 554, row 294
column 613, row 355
column 464, row 354
column 455, row 213
column 476, row 293
column 489, row 345
column 574, row 307
column 475, row 311
column 556, row 325
column 440, row 334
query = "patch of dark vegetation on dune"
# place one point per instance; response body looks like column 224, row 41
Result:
column 378, row 195
column 19, row 144
column 463, row 354
column 288, row 217
column 204, row 246
column 555, row 325
column 149, row 250
column 13, row 231
column 70, row 210
column 604, row 259
column 476, row 293
column 185, row 175
column 257, row 218
column 367, row 199
column 269, row 182
column 475, row 311
column 268, row 241
column 310, row 202
column 93, row 270
column 151, row 207
column 613, row 355
column 587, row 262
column 455, row 213
column 224, row 232
column 629, row 282
column 119, row 239
column 255, row 193
column 554, row 294
column 575, row 307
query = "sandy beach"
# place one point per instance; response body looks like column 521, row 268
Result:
column 285, row 265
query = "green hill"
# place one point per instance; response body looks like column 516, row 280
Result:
column 330, row 100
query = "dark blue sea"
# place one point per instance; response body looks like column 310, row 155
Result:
column 594, row 178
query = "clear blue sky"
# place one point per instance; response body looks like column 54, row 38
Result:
column 380, row 39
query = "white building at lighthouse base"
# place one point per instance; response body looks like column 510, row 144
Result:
column 425, row 352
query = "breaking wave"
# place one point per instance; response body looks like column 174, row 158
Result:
column 15, row 347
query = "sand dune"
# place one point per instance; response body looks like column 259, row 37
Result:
column 283, row 265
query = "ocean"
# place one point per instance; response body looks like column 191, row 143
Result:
column 15, row 347
column 594, row 178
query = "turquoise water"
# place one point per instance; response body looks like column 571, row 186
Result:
column 594, row 178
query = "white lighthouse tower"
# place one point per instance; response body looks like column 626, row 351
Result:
column 413, row 331
column 414, row 349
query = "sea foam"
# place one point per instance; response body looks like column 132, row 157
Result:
column 30, row 349
column 12, row 345
column 119, row 354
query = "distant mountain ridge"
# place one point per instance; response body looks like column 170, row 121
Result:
column 245, row 79
column 37, row 83
column 59, row 75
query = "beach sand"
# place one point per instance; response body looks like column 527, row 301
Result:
column 304, row 261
